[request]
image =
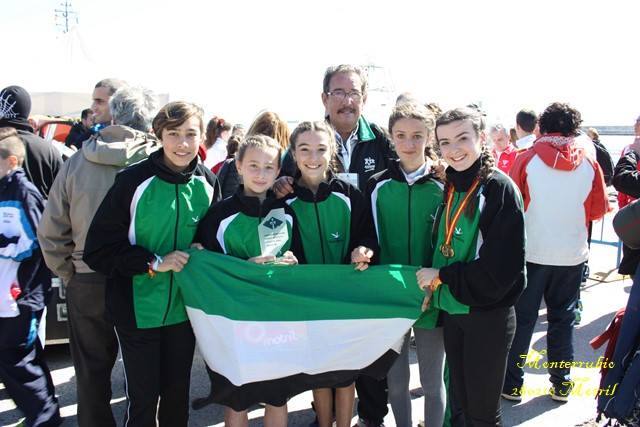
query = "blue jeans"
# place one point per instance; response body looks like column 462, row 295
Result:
column 560, row 287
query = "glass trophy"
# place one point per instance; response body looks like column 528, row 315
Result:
column 273, row 232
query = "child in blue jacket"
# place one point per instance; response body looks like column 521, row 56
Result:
column 25, row 287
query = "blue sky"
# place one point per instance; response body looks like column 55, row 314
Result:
column 239, row 57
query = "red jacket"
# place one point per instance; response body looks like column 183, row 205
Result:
column 562, row 190
column 505, row 161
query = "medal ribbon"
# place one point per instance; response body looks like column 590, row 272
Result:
column 450, row 224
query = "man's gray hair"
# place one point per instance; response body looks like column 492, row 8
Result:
column 499, row 127
column 344, row 68
column 134, row 107
column 112, row 85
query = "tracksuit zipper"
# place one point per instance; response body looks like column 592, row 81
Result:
column 409, row 226
column 315, row 205
column 175, row 245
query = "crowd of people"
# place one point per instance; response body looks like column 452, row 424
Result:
column 432, row 189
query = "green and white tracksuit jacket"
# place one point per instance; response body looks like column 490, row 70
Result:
column 334, row 221
column 404, row 217
column 150, row 210
column 231, row 226
column 487, row 270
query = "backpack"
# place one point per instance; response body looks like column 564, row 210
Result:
column 604, row 160
column 610, row 335
column 620, row 400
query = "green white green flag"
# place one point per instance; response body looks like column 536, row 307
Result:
column 270, row 330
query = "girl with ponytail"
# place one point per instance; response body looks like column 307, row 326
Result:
column 217, row 135
column 478, row 267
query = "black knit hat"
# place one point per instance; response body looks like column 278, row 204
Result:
column 15, row 107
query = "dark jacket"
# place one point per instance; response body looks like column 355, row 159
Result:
column 167, row 207
column 77, row 135
column 626, row 179
column 371, row 154
column 229, row 178
column 336, row 221
column 231, row 226
column 22, row 263
column 496, row 278
column 403, row 215
column 41, row 162
column 603, row 157
column 404, row 218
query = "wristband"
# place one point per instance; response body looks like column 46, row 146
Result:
column 153, row 265
column 156, row 263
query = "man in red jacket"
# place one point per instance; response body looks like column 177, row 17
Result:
column 563, row 189
column 503, row 150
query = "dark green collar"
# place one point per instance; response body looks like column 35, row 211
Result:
column 364, row 130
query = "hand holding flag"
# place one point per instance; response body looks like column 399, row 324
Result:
column 361, row 257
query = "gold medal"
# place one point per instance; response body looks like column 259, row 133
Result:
column 447, row 250
column 450, row 223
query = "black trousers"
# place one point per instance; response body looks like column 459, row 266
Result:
column 24, row 371
column 157, row 365
column 477, row 345
column 94, row 348
column 372, row 399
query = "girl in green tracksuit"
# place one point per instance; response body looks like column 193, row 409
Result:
column 337, row 230
column 404, row 200
column 137, row 239
column 234, row 227
column 478, row 267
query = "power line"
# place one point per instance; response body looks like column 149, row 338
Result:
column 67, row 14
